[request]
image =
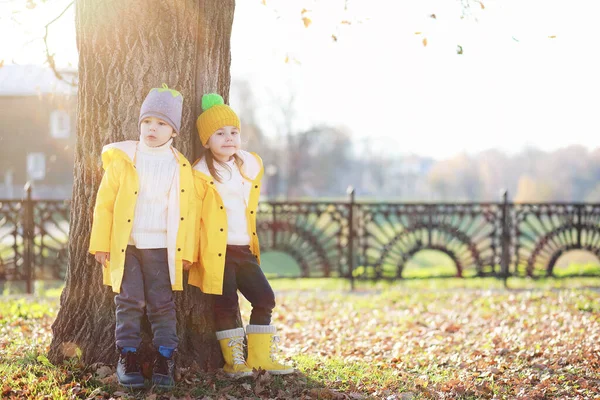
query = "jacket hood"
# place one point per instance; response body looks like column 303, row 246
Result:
column 119, row 150
column 252, row 167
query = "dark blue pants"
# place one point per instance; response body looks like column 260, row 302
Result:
column 243, row 273
column 146, row 284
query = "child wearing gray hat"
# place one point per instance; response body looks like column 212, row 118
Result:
column 143, row 232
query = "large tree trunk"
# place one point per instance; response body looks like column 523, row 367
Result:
column 126, row 48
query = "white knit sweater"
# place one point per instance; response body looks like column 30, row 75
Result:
column 235, row 193
column 156, row 168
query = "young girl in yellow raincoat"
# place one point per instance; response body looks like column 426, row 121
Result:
column 227, row 181
column 143, row 232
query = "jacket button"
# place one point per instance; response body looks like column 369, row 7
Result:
column 221, row 229
column 179, row 249
column 251, row 212
column 182, row 190
column 254, row 233
column 122, row 250
column 128, row 220
column 212, row 183
column 182, row 218
column 135, row 193
column 185, row 165
column 219, row 254
column 221, row 207
column 255, row 186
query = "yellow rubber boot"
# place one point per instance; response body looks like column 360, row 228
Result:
column 262, row 349
column 232, row 347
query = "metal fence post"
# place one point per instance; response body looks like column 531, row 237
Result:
column 275, row 223
column 579, row 224
column 28, row 237
column 505, row 240
column 351, row 191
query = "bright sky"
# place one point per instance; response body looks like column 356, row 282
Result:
column 515, row 85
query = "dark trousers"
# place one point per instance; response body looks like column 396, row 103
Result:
column 146, row 284
column 243, row 273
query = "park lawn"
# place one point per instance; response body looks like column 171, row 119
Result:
column 422, row 338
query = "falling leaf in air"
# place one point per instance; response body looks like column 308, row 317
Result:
column 424, row 41
column 335, row 39
column 433, row 16
column 552, row 37
column 459, row 49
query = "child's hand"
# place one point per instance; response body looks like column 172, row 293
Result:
column 102, row 257
column 186, row 265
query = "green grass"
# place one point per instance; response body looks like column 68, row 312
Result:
column 279, row 264
column 350, row 377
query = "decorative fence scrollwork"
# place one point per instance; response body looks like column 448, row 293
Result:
column 390, row 234
column 543, row 232
column 314, row 234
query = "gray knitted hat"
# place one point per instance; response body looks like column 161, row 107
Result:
column 163, row 103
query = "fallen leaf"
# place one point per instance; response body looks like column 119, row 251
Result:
column 422, row 381
column 103, row 372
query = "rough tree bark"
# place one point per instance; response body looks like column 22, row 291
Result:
column 126, row 48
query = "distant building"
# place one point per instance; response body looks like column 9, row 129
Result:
column 37, row 131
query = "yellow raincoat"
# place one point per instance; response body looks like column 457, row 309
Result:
column 211, row 224
column 115, row 206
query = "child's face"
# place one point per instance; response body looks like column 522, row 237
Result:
column 156, row 132
column 224, row 143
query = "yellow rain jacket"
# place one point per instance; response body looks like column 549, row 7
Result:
column 115, row 206
column 211, row 223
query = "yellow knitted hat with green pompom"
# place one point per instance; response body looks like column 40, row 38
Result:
column 215, row 115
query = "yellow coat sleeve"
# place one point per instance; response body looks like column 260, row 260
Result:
column 103, row 211
column 198, row 200
column 190, row 234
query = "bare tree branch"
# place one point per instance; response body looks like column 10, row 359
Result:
column 50, row 57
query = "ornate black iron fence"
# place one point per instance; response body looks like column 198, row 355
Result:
column 486, row 239
column 33, row 239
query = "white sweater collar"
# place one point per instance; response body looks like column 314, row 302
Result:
column 160, row 150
